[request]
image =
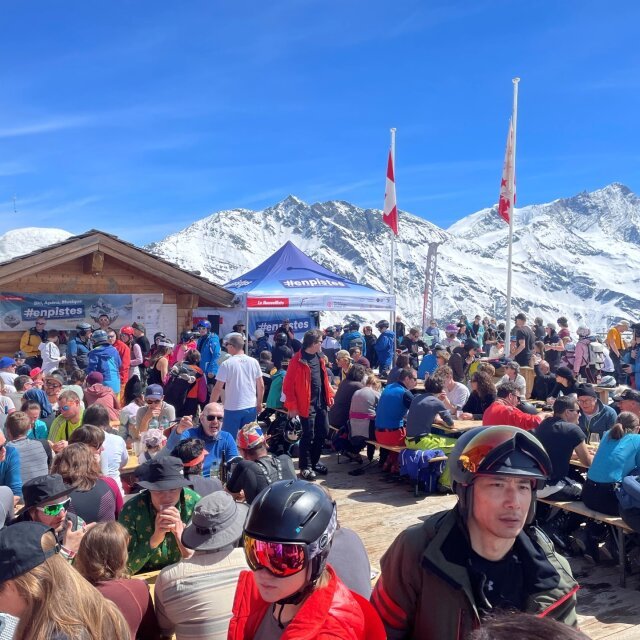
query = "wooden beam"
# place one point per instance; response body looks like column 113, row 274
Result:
column 93, row 263
column 188, row 300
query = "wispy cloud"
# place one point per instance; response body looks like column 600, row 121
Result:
column 13, row 168
column 48, row 125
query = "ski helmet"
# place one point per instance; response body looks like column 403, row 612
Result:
column 500, row 451
column 100, row 337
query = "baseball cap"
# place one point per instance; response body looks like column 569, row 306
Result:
column 154, row 391
column 628, row 394
column 21, row 549
column 6, row 362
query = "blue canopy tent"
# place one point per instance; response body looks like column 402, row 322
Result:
column 290, row 279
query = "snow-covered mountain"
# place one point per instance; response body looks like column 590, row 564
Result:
column 577, row 257
column 17, row 242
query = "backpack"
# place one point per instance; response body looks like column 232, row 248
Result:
column 271, row 470
column 418, row 466
column 596, row 355
column 181, row 378
column 357, row 341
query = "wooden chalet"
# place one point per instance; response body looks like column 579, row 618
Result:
column 96, row 262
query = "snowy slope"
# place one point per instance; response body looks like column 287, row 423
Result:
column 20, row 241
column 575, row 256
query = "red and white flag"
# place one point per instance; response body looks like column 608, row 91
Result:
column 390, row 215
column 507, row 198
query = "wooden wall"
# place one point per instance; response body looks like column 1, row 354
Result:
column 116, row 277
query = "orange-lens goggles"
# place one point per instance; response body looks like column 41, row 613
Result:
column 476, row 452
column 282, row 559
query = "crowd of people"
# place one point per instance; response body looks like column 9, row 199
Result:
column 243, row 544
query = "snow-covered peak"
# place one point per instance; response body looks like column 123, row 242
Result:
column 20, row 241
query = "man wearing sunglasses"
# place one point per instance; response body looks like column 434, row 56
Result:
column 441, row 577
column 217, row 442
column 46, row 500
column 67, row 422
column 156, row 408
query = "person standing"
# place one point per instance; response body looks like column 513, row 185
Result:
column 140, row 333
column 31, row 340
column 209, row 348
column 525, row 339
column 78, row 348
column 242, row 379
column 105, row 358
column 385, row 347
column 308, row 395
column 616, row 346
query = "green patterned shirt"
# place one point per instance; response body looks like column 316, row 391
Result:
column 138, row 517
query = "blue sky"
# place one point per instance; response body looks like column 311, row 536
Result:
column 139, row 117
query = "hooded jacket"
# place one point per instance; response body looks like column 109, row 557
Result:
column 105, row 359
column 209, row 348
column 385, row 347
column 296, row 386
column 425, row 590
column 330, row 613
column 104, row 395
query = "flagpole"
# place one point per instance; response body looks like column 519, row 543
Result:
column 512, row 177
column 393, row 247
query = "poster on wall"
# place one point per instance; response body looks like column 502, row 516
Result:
column 18, row 311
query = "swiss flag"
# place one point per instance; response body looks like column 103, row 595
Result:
column 390, row 215
column 507, row 198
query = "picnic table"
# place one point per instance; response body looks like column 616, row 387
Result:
column 131, row 465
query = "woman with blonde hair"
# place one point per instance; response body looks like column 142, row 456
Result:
column 102, row 560
column 93, row 498
column 50, row 598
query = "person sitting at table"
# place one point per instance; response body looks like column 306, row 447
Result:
column 565, row 383
column 102, row 560
column 562, row 438
column 426, row 410
column 155, row 410
column 358, row 358
column 343, row 364
column 393, row 405
column 157, row 516
column 217, row 443
column 402, row 362
column 595, row 417
column 483, row 393
column 94, row 499
column 339, row 412
column 617, row 456
column 504, row 410
column 454, row 394
column 512, row 374
column 192, row 453
column 543, row 382
column 153, row 441
column 67, row 422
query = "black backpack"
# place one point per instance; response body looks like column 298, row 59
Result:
column 181, row 378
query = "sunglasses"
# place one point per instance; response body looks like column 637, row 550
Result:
column 212, row 418
column 55, row 509
column 53, row 385
column 150, row 402
column 281, row 559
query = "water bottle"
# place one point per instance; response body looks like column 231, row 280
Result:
column 164, row 422
column 153, row 423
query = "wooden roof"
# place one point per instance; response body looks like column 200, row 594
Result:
column 94, row 240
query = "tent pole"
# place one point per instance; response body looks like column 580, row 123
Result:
column 246, row 342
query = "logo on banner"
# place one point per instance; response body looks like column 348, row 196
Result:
column 267, row 302
column 314, row 282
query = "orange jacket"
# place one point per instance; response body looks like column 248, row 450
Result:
column 296, row 386
column 125, row 356
column 499, row 413
column 330, row 613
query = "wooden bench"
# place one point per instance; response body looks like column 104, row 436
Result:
column 398, row 449
column 618, row 526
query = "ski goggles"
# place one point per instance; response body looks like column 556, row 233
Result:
column 55, row 509
column 281, row 559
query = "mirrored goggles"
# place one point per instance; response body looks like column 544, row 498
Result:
column 281, row 559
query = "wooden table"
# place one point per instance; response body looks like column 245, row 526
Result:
column 459, row 426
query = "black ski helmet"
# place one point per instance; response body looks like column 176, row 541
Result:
column 298, row 512
column 501, row 451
